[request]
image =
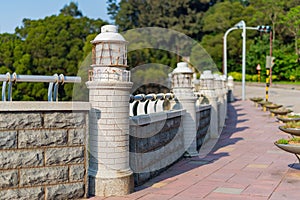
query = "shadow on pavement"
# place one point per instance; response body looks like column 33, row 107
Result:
column 213, row 154
column 294, row 166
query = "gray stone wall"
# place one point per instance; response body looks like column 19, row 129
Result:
column 156, row 142
column 203, row 122
column 43, row 154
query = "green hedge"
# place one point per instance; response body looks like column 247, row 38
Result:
column 237, row 76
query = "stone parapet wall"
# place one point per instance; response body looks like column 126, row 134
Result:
column 43, row 150
column 156, row 141
column 203, row 123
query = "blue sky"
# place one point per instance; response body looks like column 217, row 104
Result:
column 12, row 12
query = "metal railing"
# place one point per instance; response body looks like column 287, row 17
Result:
column 54, row 81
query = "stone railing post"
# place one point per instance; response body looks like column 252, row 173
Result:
column 208, row 91
column 196, row 83
column 230, row 84
column 225, row 92
column 221, row 100
column 183, row 90
column 109, row 89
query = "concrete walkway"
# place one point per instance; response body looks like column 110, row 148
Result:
column 244, row 164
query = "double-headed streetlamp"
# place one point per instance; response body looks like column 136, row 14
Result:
column 239, row 25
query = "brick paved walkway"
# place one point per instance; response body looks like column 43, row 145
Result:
column 244, row 164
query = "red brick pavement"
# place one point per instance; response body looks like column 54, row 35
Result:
column 244, row 164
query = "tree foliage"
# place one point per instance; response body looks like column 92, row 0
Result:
column 71, row 10
column 292, row 23
column 61, row 43
column 207, row 21
column 183, row 16
column 55, row 44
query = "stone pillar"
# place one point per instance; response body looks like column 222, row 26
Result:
column 221, row 101
column 230, row 85
column 109, row 89
column 208, row 91
column 196, row 83
column 225, row 92
column 183, row 90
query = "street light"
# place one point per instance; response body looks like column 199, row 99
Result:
column 243, row 24
column 225, row 50
column 239, row 25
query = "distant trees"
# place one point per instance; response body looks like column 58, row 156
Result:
column 71, row 10
column 61, row 43
column 183, row 16
column 207, row 20
column 55, row 44
column 292, row 22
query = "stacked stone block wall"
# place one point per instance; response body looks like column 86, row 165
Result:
column 43, row 154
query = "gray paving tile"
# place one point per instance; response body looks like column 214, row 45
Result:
column 228, row 190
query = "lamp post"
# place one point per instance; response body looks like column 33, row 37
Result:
column 239, row 25
column 225, row 50
column 243, row 24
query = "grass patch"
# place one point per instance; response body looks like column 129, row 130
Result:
column 287, row 82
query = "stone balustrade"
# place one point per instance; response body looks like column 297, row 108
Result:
column 44, row 149
column 104, row 147
column 151, row 103
column 203, row 123
column 156, row 141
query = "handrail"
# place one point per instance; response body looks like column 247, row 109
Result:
column 53, row 81
column 38, row 78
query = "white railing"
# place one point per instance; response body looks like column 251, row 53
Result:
column 54, row 81
column 150, row 103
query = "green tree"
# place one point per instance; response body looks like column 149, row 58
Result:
column 71, row 10
column 270, row 12
column 216, row 21
column 47, row 46
column 10, row 50
column 292, row 23
column 221, row 16
column 112, row 8
column 183, row 16
column 286, row 66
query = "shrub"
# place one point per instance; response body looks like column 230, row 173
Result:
column 248, row 77
column 237, row 76
column 275, row 78
column 282, row 141
column 255, row 78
